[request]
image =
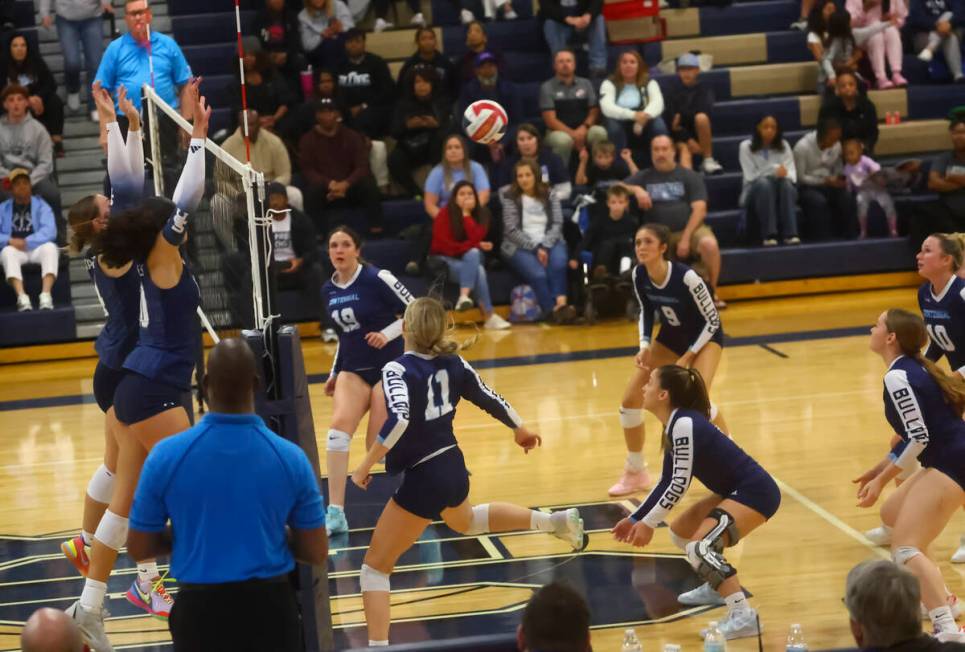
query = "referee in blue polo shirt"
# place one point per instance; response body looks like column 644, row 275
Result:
column 230, row 486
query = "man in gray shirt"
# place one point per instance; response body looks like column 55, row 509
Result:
column 677, row 198
column 570, row 109
column 24, row 143
column 828, row 206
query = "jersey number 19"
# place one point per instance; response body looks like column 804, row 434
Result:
column 345, row 318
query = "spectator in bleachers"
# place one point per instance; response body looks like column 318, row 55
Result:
column 23, row 65
column 769, row 193
column 601, row 167
column 366, row 86
column 276, row 26
column 268, row 156
column 861, row 173
column 455, row 166
column 529, row 144
column 565, row 19
column 28, row 234
column 609, row 238
column 326, row 87
column 460, row 235
column 885, row 44
column 533, row 242
column 418, row 125
column 632, row 103
column 938, row 24
column 570, row 108
column 334, row 159
column 556, row 619
column 266, row 90
column 24, row 143
column 818, row 40
column 491, row 9
column 477, row 42
column 79, row 26
column 828, row 207
column 947, row 178
column 676, row 197
column 841, row 54
column 322, row 24
column 688, row 102
column 7, row 15
column 854, row 111
column 427, row 55
column 382, row 12
column 50, row 630
column 801, row 24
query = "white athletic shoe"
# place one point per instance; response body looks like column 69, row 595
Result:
column 94, row 117
column 711, row 166
column 702, row 595
column 800, row 25
column 496, row 323
column 46, row 301
column 738, row 624
column 880, row 536
column 569, row 528
column 464, row 303
column 23, row 303
column 381, row 25
column 952, row 636
column 91, row 626
column 959, row 556
column 926, row 55
column 418, row 20
column 953, row 603
column 73, row 101
column 466, row 17
column 509, row 14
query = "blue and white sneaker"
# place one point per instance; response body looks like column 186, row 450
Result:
column 738, row 624
column 569, row 528
column 335, row 521
column 702, row 595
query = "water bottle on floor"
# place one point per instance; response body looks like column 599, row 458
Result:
column 630, row 642
column 714, row 640
column 795, row 640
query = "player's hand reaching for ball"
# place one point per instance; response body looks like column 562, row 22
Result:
column 527, row 439
column 202, row 114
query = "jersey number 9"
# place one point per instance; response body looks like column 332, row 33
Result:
column 437, row 402
column 345, row 318
column 940, row 337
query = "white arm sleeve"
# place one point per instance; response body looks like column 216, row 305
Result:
column 400, row 292
column 682, row 447
column 397, row 401
column 135, row 156
column 705, row 304
column 906, row 404
column 644, row 327
column 190, row 187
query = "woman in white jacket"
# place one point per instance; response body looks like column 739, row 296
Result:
column 769, row 192
column 632, row 104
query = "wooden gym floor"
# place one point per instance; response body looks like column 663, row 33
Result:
column 801, row 393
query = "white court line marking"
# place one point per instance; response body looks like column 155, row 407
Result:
column 490, row 547
column 831, row 518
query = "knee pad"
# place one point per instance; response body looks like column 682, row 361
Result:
column 725, row 525
column 338, row 441
column 480, row 520
column 372, row 580
column 713, row 411
column 709, row 563
column 903, row 554
column 112, row 530
column 631, row 417
column 679, row 541
column 101, row 485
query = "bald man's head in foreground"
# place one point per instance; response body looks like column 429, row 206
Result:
column 231, row 377
column 50, row 630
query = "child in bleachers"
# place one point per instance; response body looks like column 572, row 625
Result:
column 688, row 103
column 604, row 168
column 610, row 237
column 864, row 179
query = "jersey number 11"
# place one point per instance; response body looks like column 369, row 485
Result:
column 437, row 402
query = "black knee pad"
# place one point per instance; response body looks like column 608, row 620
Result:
column 709, row 563
column 725, row 525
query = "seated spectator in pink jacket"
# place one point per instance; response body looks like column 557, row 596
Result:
column 885, row 44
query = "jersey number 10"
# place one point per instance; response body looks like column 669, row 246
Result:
column 940, row 337
column 437, row 401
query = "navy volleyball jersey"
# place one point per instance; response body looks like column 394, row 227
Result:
column 688, row 316
column 930, row 429
column 371, row 301
column 944, row 317
column 169, row 340
column 421, row 394
column 697, row 449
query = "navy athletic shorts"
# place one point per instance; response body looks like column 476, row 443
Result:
column 106, row 381
column 138, row 398
column 760, row 493
column 371, row 377
column 432, row 486
column 673, row 340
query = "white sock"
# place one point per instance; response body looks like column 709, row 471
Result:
column 147, row 572
column 541, row 521
column 942, row 619
column 378, row 643
column 635, row 460
column 340, row 508
column 736, row 601
column 93, row 595
column 88, row 537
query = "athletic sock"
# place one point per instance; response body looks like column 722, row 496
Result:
column 88, row 537
column 635, row 461
column 378, row 643
column 736, row 601
column 340, row 508
column 942, row 619
column 541, row 521
column 93, row 595
column 147, row 573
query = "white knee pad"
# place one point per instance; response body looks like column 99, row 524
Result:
column 101, row 485
column 372, row 580
column 713, row 411
column 679, row 541
column 631, row 417
column 338, row 441
column 903, row 554
column 112, row 530
column 480, row 520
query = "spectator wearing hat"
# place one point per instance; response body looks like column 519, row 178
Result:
column 477, row 42
column 24, row 143
column 366, row 86
column 334, row 159
column 322, row 25
column 268, row 156
column 688, row 103
column 570, row 109
column 28, row 234
column 564, row 19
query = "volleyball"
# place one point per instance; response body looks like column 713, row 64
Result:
column 484, row 121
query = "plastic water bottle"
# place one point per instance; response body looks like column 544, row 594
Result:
column 714, row 640
column 795, row 640
column 671, row 647
column 630, row 642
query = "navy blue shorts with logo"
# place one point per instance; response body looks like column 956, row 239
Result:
column 434, row 485
column 138, row 398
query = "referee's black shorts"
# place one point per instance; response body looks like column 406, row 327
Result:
column 251, row 616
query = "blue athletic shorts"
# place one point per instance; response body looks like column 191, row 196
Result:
column 371, row 377
column 138, row 398
column 106, row 381
column 760, row 493
column 673, row 339
column 434, row 485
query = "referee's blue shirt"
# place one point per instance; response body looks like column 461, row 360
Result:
column 229, row 485
column 125, row 63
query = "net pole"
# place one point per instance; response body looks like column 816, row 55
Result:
column 244, row 90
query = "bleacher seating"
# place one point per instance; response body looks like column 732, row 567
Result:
column 37, row 326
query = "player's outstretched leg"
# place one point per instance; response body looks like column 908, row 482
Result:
column 565, row 525
column 351, row 400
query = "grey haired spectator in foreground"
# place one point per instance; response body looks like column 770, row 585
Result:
column 50, row 630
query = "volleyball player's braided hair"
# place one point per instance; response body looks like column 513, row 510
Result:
column 909, row 330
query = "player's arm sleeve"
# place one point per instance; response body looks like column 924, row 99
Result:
column 902, row 396
column 645, row 325
column 190, row 188
column 678, row 469
column 397, row 403
column 126, row 175
column 705, row 304
column 398, row 293
column 481, row 395
column 308, row 512
column 149, row 512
